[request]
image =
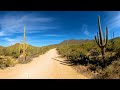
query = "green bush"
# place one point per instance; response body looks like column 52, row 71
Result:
column 71, row 52
column 95, row 52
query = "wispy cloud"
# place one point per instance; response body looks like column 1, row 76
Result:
column 114, row 22
column 11, row 41
column 85, row 29
column 44, row 42
column 14, row 23
column 86, row 32
column 40, row 19
column 2, row 34
column 53, row 35
column 35, row 42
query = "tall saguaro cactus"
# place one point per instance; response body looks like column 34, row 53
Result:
column 99, row 39
column 24, row 46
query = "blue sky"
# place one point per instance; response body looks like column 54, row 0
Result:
column 52, row 27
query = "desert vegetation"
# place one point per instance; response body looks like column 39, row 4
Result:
column 31, row 52
column 20, row 53
column 99, row 57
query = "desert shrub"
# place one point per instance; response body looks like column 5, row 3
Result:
column 95, row 52
column 28, row 59
column 74, row 53
column 10, row 62
column 71, row 51
column 87, row 46
column 110, row 46
column 110, row 72
column 92, row 67
column 116, row 44
column 7, row 61
column 2, row 50
column 113, row 45
column 117, row 53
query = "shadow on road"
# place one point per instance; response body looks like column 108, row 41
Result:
column 65, row 62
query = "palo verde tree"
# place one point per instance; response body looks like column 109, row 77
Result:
column 102, row 43
column 24, row 46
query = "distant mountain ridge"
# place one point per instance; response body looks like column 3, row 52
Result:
column 73, row 41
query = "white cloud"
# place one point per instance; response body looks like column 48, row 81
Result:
column 11, row 41
column 85, row 29
column 2, row 33
column 114, row 22
column 14, row 23
column 86, row 32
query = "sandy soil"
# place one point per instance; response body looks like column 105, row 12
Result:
column 46, row 66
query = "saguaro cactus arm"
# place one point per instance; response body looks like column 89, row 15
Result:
column 97, row 41
column 100, row 31
column 106, row 39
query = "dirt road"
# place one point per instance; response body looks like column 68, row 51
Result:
column 46, row 66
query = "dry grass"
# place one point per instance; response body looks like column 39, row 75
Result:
column 7, row 61
column 84, row 71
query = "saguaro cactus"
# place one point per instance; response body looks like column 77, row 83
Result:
column 99, row 39
column 24, row 46
column 112, row 41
